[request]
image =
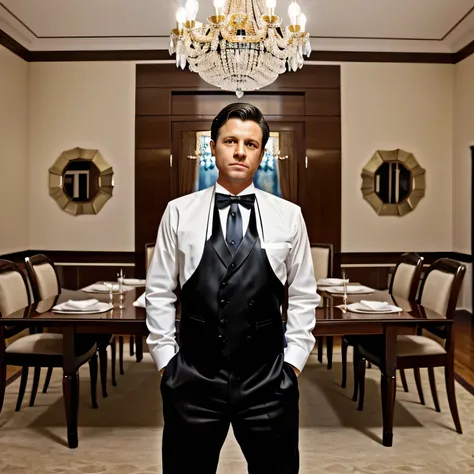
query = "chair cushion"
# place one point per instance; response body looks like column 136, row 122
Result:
column 43, row 343
column 408, row 346
column 372, row 348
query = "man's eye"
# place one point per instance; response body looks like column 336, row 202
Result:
column 252, row 145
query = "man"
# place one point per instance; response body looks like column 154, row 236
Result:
column 232, row 248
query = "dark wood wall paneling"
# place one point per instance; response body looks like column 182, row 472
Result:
column 309, row 97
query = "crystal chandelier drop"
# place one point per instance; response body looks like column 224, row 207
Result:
column 243, row 47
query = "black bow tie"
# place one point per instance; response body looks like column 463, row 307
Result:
column 224, row 200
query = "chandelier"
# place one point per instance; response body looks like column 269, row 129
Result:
column 243, row 47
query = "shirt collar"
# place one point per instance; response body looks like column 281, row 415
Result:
column 249, row 190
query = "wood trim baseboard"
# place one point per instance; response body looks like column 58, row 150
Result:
column 13, row 377
column 346, row 258
column 79, row 257
column 464, row 383
column 391, row 258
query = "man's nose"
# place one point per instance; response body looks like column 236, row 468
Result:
column 240, row 150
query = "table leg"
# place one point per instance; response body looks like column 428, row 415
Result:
column 70, row 386
column 388, row 385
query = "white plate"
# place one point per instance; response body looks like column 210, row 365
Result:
column 351, row 290
column 355, row 308
column 103, row 307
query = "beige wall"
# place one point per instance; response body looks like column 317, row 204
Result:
column 14, row 227
column 389, row 106
column 88, row 105
column 463, row 138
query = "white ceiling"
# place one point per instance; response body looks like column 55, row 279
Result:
column 341, row 25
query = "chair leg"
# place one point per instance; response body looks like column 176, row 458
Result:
column 93, row 369
column 48, row 379
column 403, row 378
column 450, row 389
column 434, row 392
column 320, row 349
column 344, row 347
column 21, row 391
column 3, row 383
column 132, row 342
column 103, row 370
column 34, row 388
column 113, row 348
column 139, row 349
column 361, row 377
column 329, row 346
column 355, row 361
column 416, row 371
column 121, row 355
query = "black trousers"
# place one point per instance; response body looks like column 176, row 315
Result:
column 200, row 403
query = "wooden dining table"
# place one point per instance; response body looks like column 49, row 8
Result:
column 330, row 321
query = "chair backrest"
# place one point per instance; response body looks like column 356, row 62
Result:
column 322, row 255
column 14, row 294
column 44, row 281
column 149, row 249
column 441, row 285
column 406, row 279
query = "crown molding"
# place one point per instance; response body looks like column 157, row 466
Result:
column 160, row 54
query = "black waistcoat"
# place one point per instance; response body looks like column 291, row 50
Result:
column 231, row 306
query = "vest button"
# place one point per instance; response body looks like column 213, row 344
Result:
column 232, row 242
column 220, row 337
column 232, row 214
column 223, row 302
column 222, row 321
column 223, row 283
column 251, row 302
column 249, row 338
column 232, row 265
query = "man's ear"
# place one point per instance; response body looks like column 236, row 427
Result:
column 213, row 147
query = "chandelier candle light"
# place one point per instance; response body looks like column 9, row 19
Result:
column 243, row 47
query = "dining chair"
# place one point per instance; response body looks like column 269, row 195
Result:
column 36, row 349
column 431, row 348
column 46, row 289
column 323, row 263
column 404, row 283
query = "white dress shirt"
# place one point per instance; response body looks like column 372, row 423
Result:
column 179, row 248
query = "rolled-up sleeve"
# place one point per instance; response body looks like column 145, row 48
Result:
column 302, row 298
column 162, row 280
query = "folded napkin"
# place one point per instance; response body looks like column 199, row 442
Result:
column 140, row 303
column 134, row 281
column 81, row 305
column 375, row 305
column 331, row 281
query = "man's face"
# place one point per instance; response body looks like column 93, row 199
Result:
column 238, row 150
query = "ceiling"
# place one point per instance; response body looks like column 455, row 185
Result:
column 425, row 26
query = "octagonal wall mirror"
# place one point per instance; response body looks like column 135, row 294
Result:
column 393, row 182
column 81, row 181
